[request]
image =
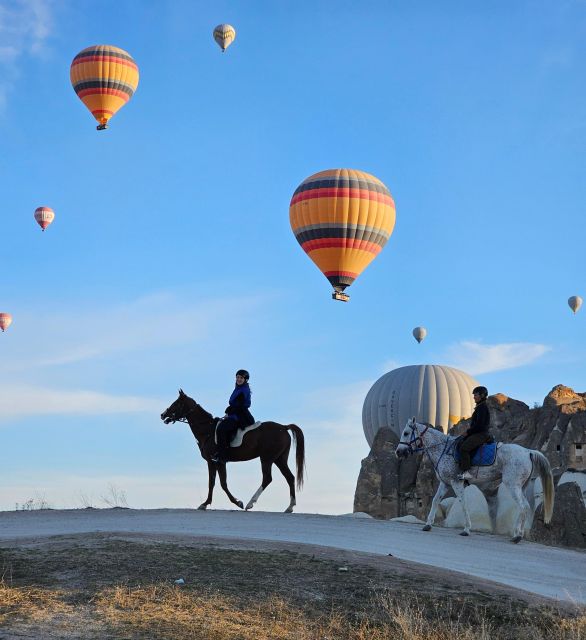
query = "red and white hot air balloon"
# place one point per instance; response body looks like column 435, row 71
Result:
column 44, row 216
column 5, row 321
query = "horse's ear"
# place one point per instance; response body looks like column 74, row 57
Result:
column 181, row 392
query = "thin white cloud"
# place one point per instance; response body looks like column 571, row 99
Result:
column 476, row 358
column 23, row 401
column 25, row 26
column 75, row 336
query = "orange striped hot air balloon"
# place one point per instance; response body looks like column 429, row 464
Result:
column 104, row 78
column 342, row 218
column 5, row 321
column 44, row 216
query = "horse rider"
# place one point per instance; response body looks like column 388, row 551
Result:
column 477, row 433
column 237, row 416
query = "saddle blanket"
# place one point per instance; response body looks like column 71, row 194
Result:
column 237, row 440
column 484, row 456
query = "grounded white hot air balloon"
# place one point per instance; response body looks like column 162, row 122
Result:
column 224, row 35
column 419, row 334
column 575, row 302
column 44, row 216
column 436, row 394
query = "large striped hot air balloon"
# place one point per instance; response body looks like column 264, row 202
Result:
column 342, row 218
column 104, row 78
column 224, row 35
column 44, row 216
column 5, row 321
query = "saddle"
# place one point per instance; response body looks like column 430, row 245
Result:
column 483, row 456
column 237, row 439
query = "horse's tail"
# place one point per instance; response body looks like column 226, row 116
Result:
column 299, row 452
column 541, row 463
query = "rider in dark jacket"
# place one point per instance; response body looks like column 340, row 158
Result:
column 478, row 432
column 237, row 416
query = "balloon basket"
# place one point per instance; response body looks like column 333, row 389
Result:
column 102, row 127
column 338, row 295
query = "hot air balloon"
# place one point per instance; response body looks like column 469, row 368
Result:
column 342, row 218
column 441, row 396
column 44, row 216
column 575, row 302
column 5, row 321
column 419, row 334
column 104, row 78
column 224, row 35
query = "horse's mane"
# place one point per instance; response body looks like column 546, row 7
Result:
column 195, row 405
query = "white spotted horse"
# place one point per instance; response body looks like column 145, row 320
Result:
column 515, row 466
column 270, row 442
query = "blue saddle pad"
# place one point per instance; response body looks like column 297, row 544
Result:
column 484, row 456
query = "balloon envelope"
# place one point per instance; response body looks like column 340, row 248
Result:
column 419, row 334
column 44, row 216
column 5, row 321
column 575, row 302
column 104, row 78
column 224, row 35
column 441, row 396
column 342, row 218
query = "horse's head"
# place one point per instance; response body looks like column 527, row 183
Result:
column 410, row 440
column 180, row 409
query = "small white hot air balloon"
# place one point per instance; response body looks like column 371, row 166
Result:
column 44, row 216
column 419, row 334
column 224, row 35
column 575, row 302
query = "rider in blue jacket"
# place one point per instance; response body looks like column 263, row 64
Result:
column 237, row 416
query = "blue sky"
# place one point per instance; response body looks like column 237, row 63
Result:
column 171, row 261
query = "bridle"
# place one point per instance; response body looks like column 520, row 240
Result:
column 416, row 443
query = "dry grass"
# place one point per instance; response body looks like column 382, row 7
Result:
column 30, row 603
column 182, row 615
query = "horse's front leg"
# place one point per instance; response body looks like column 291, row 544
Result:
column 439, row 494
column 211, row 482
column 458, row 487
column 224, row 483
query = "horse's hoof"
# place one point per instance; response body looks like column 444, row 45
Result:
column 202, row 507
column 240, row 504
column 289, row 510
column 427, row 527
column 249, row 506
column 516, row 539
column 464, row 533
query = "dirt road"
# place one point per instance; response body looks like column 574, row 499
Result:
column 547, row 571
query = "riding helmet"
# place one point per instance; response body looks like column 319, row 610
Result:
column 483, row 391
column 243, row 373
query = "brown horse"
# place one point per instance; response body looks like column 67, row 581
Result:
column 270, row 442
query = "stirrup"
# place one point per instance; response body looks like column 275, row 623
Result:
column 465, row 475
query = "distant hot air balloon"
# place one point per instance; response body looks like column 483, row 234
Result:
column 439, row 395
column 342, row 218
column 5, row 321
column 575, row 302
column 104, row 78
column 44, row 216
column 224, row 35
column 419, row 334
